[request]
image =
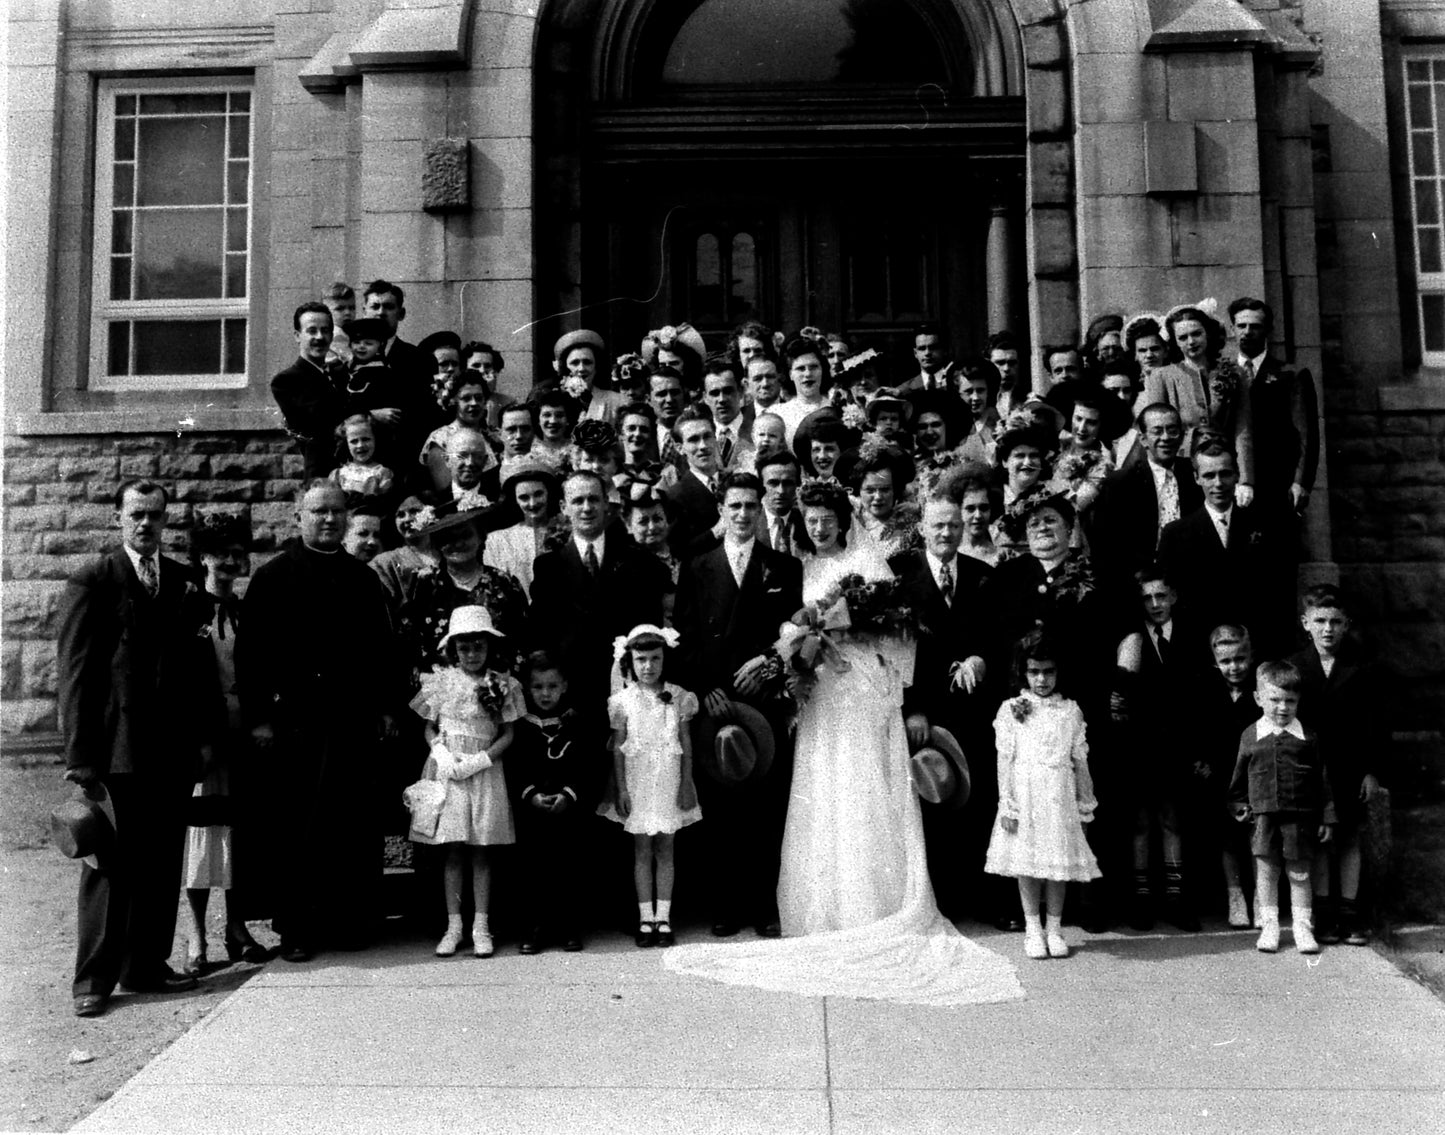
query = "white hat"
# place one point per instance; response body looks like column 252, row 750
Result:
column 469, row 620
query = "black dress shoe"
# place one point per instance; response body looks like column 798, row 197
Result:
column 90, row 1004
column 528, row 946
column 770, row 930
column 1181, row 917
column 1009, row 923
column 725, row 929
column 166, row 980
column 1093, row 921
column 573, row 944
column 296, row 952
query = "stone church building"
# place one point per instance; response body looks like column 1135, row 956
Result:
column 180, row 174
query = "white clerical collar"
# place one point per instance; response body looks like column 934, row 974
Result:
column 1265, row 729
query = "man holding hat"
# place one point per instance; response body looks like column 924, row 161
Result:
column 578, row 358
column 731, row 602
column 311, row 392
column 138, row 707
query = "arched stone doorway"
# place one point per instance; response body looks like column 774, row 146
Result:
column 868, row 174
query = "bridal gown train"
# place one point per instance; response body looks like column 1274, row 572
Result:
column 858, row 913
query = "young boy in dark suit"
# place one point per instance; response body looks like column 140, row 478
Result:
column 1342, row 700
column 1280, row 783
column 555, row 770
column 1225, row 707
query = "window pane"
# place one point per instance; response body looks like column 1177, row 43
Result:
column 745, row 275
column 1429, row 240
column 1422, row 148
column 238, row 174
column 175, row 346
column 181, row 161
column 178, row 254
column 1419, row 106
column 1427, row 203
column 120, row 278
column 124, row 184
column 707, row 292
column 235, row 275
column 183, row 104
column 867, row 275
column 125, row 139
column 236, row 230
column 235, row 346
column 120, row 231
column 240, row 101
column 795, row 42
column 240, row 136
column 1432, row 322
column 905, row 265
column 125, row 104
column 117, row 360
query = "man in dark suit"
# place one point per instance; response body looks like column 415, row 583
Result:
column 945, row 590
column 1135, row 505
column 597, row 586
column 310, row 393
column 1215, row 558
column 138, row 707
column 780, row 525
column 731, row 601
column 319, row 684
column 694, row 496
column 931, row 352
column 418, row 413
column 732, row 420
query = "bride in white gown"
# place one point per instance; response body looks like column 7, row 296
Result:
column 858, row 914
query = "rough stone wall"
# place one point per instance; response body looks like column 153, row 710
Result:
column 59, row 511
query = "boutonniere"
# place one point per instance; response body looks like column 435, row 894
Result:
column 1021, row 707
column 204, row 631
column 665, row 697
column 1256, row 538
column 191, row 589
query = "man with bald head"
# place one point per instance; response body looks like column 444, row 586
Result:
column 318, row 688
column 468, row 458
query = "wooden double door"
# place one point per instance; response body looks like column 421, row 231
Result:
column 870, row 247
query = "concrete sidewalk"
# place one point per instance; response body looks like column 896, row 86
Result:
column 1146, row 1033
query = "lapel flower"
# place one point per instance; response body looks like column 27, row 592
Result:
column 1021, row 707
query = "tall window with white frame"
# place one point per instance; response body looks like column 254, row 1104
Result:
column 172, row 235
column 1425, row 119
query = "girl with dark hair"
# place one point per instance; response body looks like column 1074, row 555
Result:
column 808, row 369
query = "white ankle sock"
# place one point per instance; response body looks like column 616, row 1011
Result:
column 644, row 912
column 664, row 909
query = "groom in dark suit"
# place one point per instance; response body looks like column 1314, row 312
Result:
column 944, row 587
column 730, row 603
column 137, row 715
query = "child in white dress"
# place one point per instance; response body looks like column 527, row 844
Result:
column 652, row 751
column 469, row 711
column 361, row 475
column 1046, row 796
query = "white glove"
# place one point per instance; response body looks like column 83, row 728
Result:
column 445, row 762
column 463, row 767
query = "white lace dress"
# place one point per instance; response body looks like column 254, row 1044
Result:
column 857, row 907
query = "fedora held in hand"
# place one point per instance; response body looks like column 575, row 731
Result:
column 939, row 770
column 735, row 750
column 83, row 825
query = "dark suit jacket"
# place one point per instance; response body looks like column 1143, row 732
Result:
column 137, row 685
column 1348, row 711
column 1286, row 427
column 796, row 531
column 724, row 625
column 697, row 512
column 950, row 635
column 1215, row 584
column 313, row 402
column 1125, row 528
column 578, row 616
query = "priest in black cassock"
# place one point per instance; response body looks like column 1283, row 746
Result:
column 317, row 677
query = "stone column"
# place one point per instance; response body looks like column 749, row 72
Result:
column 1001, row 268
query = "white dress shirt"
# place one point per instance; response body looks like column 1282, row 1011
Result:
column 739, row 554
column 599, row 546
column 1222, row 521
column 1265, row 729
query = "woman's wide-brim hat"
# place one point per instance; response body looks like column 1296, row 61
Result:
column 532, row 471
column 947, row 406
column 450, row 518
column 734, row 750
column 939, row 771
column 472, row 619
column 684, row 335
column 888, row 400
column 580, row 338
column 440, row 339
column 83, row 826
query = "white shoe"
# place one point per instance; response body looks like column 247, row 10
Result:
column 1268, row 932
column 481, row 942
column 1034, row 944
column 1054, row 939
column 1238, row 911
column 1304, row 935
column 451, row 939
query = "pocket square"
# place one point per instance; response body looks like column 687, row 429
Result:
column 774, row 590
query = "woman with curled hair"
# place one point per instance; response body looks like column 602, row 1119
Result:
column 467, row 394
column 1206, row 388
column 807, row 364
column 878, row 476
column 827, row 516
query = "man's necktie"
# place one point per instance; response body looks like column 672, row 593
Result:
column 727, row 448
column 945, row 582
column 1168, row 499
column 1162, row 643
column 591, row 559
column 1223, row 528
column 150, row 578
